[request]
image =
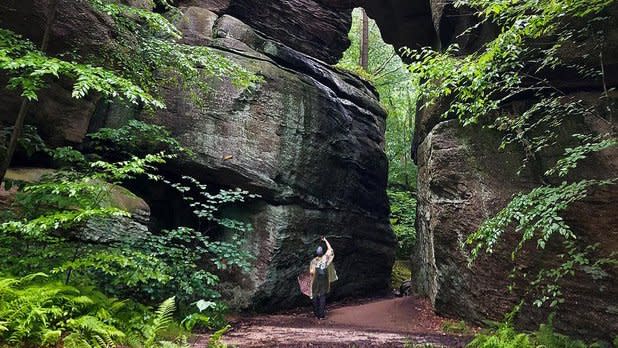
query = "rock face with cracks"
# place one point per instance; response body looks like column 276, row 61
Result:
column 464, row 179
column 308, row 138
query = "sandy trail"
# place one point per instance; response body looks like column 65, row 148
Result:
column 394, row 322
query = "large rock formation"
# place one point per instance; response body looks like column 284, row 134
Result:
column 464, row 179
column 309, row 139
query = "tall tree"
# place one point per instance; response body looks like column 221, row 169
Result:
column 364, row 41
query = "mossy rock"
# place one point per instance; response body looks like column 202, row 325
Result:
column 401, row 273
column 119, row 197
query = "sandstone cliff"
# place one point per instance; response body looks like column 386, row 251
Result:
column 308, row 139
column 464, row 179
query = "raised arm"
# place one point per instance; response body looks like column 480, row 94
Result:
column 330, row 253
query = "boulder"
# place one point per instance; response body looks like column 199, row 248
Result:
column 309, row 140
column 98, row 230
column 464, row 179
column 196, row 25
column 77, row 26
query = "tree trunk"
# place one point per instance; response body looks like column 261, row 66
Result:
column 408, row 130
column 364, row 41
column 25, row 104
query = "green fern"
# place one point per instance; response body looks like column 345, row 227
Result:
column 163, row 318
column 42, row 314
column 94, row 331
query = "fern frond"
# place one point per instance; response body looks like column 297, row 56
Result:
column 31, row 277
column 163, row 318
column 76, row 340
column 104, row 342
column 88, row 324
column 50, row 337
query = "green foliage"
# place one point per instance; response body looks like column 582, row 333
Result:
column 215, row 339
column 535, row 214
column 28, row 70
column 206, row 205
column 137, row 18
column 401, row 273
column 505, row 336
column 148, row 51
column 210, row 315
column 42, row 312
column 195, row 278
column 136, row 138
column 546, row 285
column 47, row 219
column 66, row 158
column 456, row 327
column 47, row 226
column 403, row 215
column 573, row 155
column 480, row 84
column 30, row 141
column 163, row 318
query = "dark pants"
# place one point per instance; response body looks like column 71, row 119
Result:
column 319, row 306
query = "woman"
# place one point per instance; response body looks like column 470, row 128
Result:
column 322, row 274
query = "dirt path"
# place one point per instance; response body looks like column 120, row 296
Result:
column 395, row 322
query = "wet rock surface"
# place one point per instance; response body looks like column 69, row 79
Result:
column 463, row 180
column 309, row 139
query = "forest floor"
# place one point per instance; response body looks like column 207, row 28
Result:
column 391, row 322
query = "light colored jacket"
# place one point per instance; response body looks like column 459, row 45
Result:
column 324, row 262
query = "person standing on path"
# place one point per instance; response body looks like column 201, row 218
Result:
column 322, row 274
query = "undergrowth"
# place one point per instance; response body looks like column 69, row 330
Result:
column 506, row 336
